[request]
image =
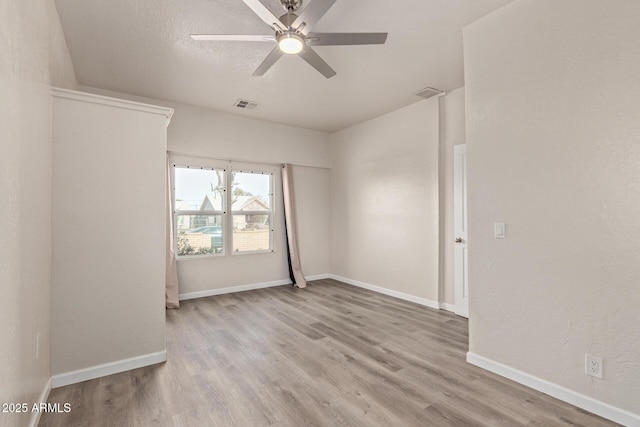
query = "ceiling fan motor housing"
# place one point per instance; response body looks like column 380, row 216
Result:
column 288, row 19
column 291, row 5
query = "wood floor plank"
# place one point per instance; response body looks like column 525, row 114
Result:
column 327, row 355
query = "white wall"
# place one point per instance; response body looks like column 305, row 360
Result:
column 200, row 132
column 109, row 222
column 32, row 56
column 313, row 212
column 452, row 133
column 203, row 132
column 553, row 108
column 214, row 134
column 384, row 198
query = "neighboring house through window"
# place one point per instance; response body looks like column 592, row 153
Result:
column 252, row 197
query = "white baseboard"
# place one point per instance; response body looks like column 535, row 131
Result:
column 317, row 277
column 44, row 395
column 232, row 289
column 448, row 307
column 587, row 403
column 392, row 293
column 250, row 287
column 110, row 368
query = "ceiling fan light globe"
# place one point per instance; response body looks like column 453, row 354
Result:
column 290, row 43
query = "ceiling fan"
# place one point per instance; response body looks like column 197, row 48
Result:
column 293, row 36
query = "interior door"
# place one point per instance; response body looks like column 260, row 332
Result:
column 460, row 229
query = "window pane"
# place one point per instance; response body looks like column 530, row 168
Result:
column 251, row 233
column 251, row 191
column 199, row 234
column 199, row 189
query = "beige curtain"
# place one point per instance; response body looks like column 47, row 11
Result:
column 291, row 226
column 172, row 300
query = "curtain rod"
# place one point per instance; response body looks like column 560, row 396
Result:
column 178, row 153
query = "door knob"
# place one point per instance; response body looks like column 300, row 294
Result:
column 458, row 240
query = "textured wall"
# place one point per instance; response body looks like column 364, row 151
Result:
column 313, row 203
column 32, row 55
column 553, row 107
column 384, row 201
column 203, row 132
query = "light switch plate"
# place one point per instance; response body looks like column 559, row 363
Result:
column 500, row 230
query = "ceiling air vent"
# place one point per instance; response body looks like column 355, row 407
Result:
column 429, row 92
column 246, row 104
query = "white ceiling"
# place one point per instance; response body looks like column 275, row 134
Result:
column 142, row 47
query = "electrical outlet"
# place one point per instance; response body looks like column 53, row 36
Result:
column 593, row 366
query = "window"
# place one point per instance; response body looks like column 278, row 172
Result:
column 204, row 225
column 251, row 195
column 199, row 210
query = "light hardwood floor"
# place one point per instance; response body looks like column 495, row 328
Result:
column 328, row 355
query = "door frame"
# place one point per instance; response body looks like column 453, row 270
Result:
column 460, row 222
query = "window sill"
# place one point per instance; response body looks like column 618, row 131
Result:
column 253, row 252
column 192, row 257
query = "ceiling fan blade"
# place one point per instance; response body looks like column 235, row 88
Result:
column 271, row 59
column 316, row 62
column 341, row 39
column 265, row 14
column 232, row 38
column 312, row 14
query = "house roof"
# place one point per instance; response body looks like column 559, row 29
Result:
column 213, row 201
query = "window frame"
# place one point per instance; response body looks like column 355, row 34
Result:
column 212, row 212
column 256, row 169
column 227, row 214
